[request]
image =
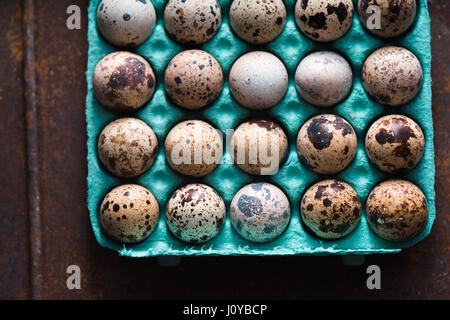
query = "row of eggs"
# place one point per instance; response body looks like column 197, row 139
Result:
column 326, row 144
column 258, row 80
column 194, row 22
column 396, row 210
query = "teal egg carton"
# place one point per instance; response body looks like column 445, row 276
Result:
column 293, row 177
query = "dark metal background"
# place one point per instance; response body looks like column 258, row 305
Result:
column 45, row 227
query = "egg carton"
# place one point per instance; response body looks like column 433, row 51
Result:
column 294, row 178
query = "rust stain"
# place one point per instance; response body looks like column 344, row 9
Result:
column 14, row 36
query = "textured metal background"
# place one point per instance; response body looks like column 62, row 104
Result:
column 44, row 222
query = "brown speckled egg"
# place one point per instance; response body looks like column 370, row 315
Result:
column 127, row 147
column 259, row 147
column 257, row 22
column 260, row 212
column 126, row 22
column 192, row 22
column 326, row 143
column 331, row 209
column 123, row 81
column 258, row 80
column 394, row 143
column 324, row 20
column 392, row 76
column 396, row 16
column 129, row 213
column 396, row 210
column 194, row 148
column 193, row 79
column 195, row 213
column 324, row 78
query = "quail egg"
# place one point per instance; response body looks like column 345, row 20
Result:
column 396, row 16
column 257, row 22
column 259, row 147
column 325, row 20
column 129, row 213
column 126, row 23
column 193, row 79
column 326, row 143
column 127, row 147
column 195, row 213
column 331, row 209
column 194, row 148
column 123, row 81
column 397, row 210
column 192, row 22
column 323, row 78
column 260, row 212
column 394, row 143
column 392, row 76
column 258, row 80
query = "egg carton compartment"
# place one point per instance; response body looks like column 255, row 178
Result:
column 293, row 177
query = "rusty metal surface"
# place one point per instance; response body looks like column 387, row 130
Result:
column 420, row 272
column 14, row 263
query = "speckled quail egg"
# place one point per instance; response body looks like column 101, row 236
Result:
column 392, row 76
column 126, row 23
column 259, row 147
column 396, row 16
column 193, row 79
column 129, row 213
column 326, row 143
column 396, row 210
column 195, row 213
column 260, row 212
column 331, row 209
column 192, row 22
column 394, row 143
column 323, row 78
column 257, row 22
column 325, row 20
column 194, row 148
column 123, row 81
column 258, row 80
column 127, row 147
